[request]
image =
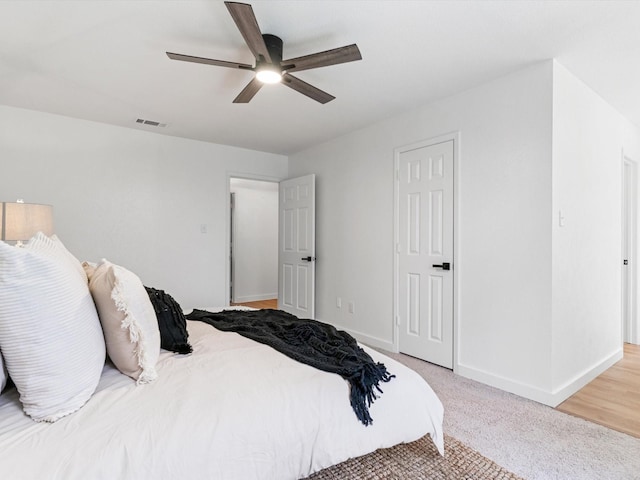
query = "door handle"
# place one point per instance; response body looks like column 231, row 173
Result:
column 444, row 266
column 308, row 259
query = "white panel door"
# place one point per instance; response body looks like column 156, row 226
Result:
column 425, row 252
column 630, row 333
column 297, row 246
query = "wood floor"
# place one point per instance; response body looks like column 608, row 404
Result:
column 273, row 303
column 613, row 398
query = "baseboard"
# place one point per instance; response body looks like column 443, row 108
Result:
column 368, row 339
column 508, row 385
column 572, row 386
column 255, row 298
column 550, row 398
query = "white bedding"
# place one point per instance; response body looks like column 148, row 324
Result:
column 234, row 409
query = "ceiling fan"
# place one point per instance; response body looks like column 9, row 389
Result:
column 269, row 66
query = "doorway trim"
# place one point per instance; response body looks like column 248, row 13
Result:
column 630, row 240
column 227, row 221
column 457, row 263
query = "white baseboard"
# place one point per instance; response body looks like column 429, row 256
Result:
column 254, row 298
column 506, row 384
column 368, row 339
column 550, row 398
column 572, row 386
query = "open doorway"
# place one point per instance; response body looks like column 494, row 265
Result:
column 253, row 243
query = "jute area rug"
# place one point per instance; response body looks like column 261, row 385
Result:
column 418, row 460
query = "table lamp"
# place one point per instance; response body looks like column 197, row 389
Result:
column 19, row 221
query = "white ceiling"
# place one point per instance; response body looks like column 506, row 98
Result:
column 105, row 60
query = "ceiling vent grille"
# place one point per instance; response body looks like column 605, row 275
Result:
column 151, row 123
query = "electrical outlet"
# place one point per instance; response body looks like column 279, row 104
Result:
column 352, row 307
column 338, row 302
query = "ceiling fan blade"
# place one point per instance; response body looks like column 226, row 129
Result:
column 249, row 91
column 306, row 89
column 335, row 56
column 242, row 14
column 208, row 61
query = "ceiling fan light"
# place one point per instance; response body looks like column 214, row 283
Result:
column 268, row 75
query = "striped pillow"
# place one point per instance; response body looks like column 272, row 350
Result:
column 50, row 335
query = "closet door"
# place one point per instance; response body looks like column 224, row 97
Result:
column 424, row 251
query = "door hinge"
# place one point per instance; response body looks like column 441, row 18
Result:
column 398, row 320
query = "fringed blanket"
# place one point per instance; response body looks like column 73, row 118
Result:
column 311, row 342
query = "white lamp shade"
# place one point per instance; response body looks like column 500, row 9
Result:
column 21, row 221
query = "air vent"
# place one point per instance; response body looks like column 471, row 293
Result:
column 151, row 123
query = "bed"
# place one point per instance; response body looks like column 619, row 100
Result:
column 232, row 409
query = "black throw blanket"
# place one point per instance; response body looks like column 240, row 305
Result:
column 311, row 342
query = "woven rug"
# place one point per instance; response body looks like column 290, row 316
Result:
column 418, row 460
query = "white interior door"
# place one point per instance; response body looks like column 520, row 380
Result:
column 629, row 239
column 424, row 251
column 297, row 246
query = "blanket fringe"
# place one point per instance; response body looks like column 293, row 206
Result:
column 363, row 389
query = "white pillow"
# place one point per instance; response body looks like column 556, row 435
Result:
column 50, row 335
column 128, row 320
column 3, row 374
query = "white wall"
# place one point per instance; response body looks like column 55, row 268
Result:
column 255, row 243
column 503, row 231
column 538, row 306
column 134, row 197
column 588, row 139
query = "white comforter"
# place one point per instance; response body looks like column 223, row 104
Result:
column 234, row 409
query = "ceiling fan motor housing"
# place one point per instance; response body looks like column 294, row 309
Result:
column 274, row 45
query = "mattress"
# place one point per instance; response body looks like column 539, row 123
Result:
column 233, row 409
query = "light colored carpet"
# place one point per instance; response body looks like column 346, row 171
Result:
column 531, row 440
column 418, row 460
